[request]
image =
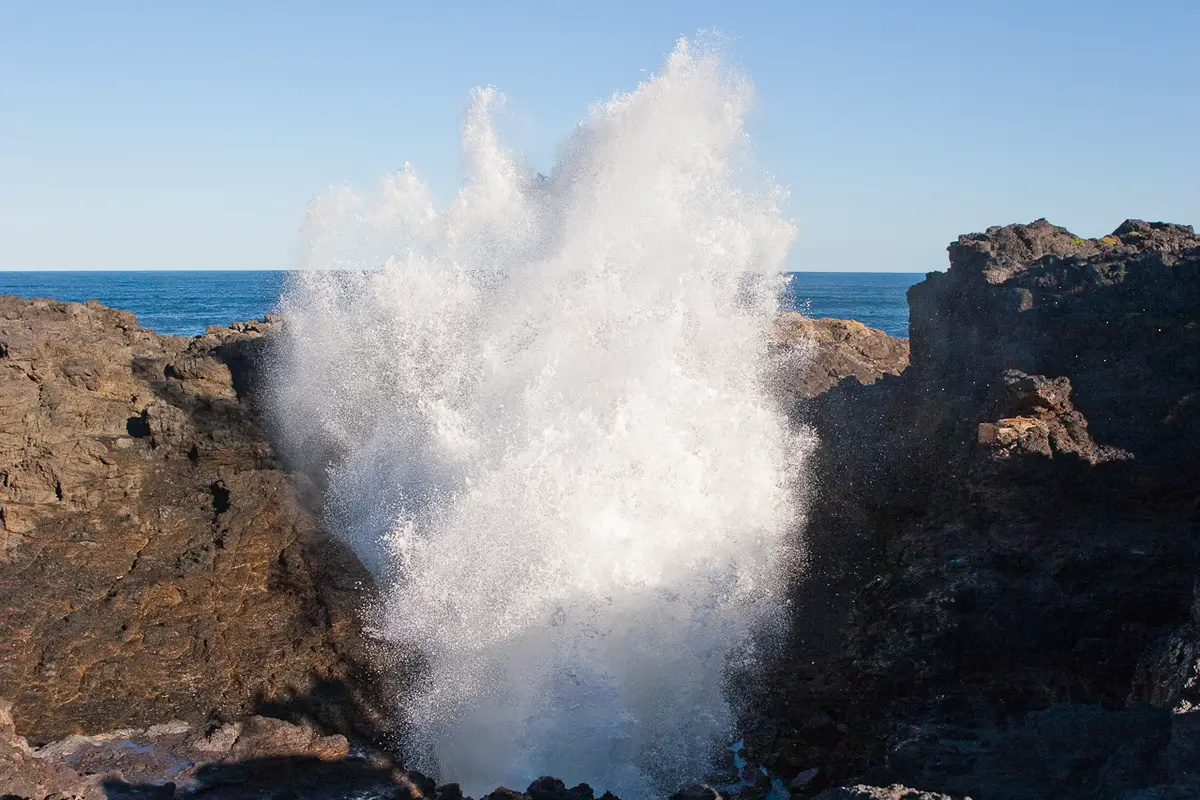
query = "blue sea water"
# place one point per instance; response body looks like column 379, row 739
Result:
column 876, row 299
column 175, row 301
column 185, row 303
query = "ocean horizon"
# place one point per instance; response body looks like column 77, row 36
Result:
column 186, row 302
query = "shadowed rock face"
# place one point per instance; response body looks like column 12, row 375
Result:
column 156, row 562
column 1009, row 530
column 1116, row 315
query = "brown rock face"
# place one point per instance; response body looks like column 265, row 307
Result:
column 155, row 561
column 835, row 350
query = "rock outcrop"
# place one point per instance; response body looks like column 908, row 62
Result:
column 1007, row 535
column 260, row 757
column 833, row 350
column 156, row 562
column 179, row 757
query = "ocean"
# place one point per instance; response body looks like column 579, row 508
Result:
column 186, row 302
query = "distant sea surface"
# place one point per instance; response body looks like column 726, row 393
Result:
column 187, row 302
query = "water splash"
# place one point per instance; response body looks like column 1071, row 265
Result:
column 547, row 431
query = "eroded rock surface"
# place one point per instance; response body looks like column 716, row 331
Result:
column 834, row 350
column 156, row 562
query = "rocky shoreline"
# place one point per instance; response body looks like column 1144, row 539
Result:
column 1006, row 533
column 999, row 601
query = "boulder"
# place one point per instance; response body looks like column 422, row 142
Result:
column 832, row 350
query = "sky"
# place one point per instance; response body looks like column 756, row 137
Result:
column 193, row 135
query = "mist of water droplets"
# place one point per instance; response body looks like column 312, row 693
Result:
column 548, row 434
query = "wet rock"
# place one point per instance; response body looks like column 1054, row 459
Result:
column 550, row 788
column 697, row 791
column 179, row 757
column 23, row 774
column 893, row 792
column 1168, row 673
column 449, row 791
column 804, row 780
column 265, row 737
column 545, row 788
column 502, row 793
column 816, row 354
column 416, row 786
column 1003, row 538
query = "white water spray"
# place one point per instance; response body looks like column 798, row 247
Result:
column 550, row 435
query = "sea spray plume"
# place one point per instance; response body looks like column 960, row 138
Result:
column 548, row 433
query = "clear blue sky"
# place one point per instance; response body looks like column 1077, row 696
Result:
column 193, row 135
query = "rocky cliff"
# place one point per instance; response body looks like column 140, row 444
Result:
column 1009, row 531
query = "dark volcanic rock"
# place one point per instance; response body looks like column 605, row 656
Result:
column 1035, row 415
column 698, row 791
column 1006, row 536
column 156, row 562
column 1116, row 315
